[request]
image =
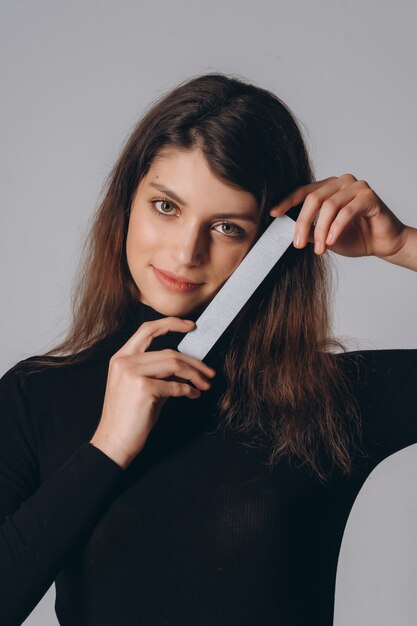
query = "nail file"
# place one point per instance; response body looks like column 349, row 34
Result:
column 238, row 288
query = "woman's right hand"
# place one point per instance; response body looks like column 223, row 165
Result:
column 136, row 389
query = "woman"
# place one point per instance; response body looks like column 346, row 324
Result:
column 229, row 509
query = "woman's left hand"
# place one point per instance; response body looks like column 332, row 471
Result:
column 345, row 215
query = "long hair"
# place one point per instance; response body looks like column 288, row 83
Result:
column 284, row 386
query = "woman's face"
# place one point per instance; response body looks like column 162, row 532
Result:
column 177, row 225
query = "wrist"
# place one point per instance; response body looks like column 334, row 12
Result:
column 108, row 446
column 406, row 256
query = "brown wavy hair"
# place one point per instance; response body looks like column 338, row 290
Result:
column 285, row 387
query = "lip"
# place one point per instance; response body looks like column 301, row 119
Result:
column 171, row 283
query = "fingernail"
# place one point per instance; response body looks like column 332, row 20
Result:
column 317, row 246
column 329, row 238
column 297, row 240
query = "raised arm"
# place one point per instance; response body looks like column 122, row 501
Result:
column 346, row 216
column 407, row 255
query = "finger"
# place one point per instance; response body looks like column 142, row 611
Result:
column 310, row 209
column 164, row 389
column 142, row 338
column 344, row 216
column 173, row 367
column 327, row 213
column 162, row 355
column 297, row 196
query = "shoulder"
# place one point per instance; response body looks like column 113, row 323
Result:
column 377, row 366
column 384, row 383
column 40, row 376
column 27, row 381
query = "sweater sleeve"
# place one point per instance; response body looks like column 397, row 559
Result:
column 41, row 522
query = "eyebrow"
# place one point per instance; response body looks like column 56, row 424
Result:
column 241, row 216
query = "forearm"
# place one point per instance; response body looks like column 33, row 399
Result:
column 407, row 255
column 43, row 530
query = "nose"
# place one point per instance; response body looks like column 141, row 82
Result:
column 190, row 247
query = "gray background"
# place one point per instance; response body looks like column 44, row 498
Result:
column 75, row 78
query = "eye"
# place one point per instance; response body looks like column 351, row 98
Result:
column 154, row 202
column 240, row 233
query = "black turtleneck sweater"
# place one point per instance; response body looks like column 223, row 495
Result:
column 196, row 531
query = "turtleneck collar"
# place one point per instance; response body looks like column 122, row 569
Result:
column 138, row 312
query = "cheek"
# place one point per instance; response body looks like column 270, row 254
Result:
column 141, row 236
column 227, row 263
column 237, row 256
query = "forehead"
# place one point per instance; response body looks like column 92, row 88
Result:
column 175, row 161
column 187, row 172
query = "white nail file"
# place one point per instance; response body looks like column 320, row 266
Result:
column 238, row 288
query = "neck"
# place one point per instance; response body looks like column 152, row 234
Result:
column 139, row 312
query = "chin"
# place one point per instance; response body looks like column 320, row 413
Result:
column 169, row 308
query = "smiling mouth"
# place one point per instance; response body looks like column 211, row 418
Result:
column 178, row 279
column 173, row 284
